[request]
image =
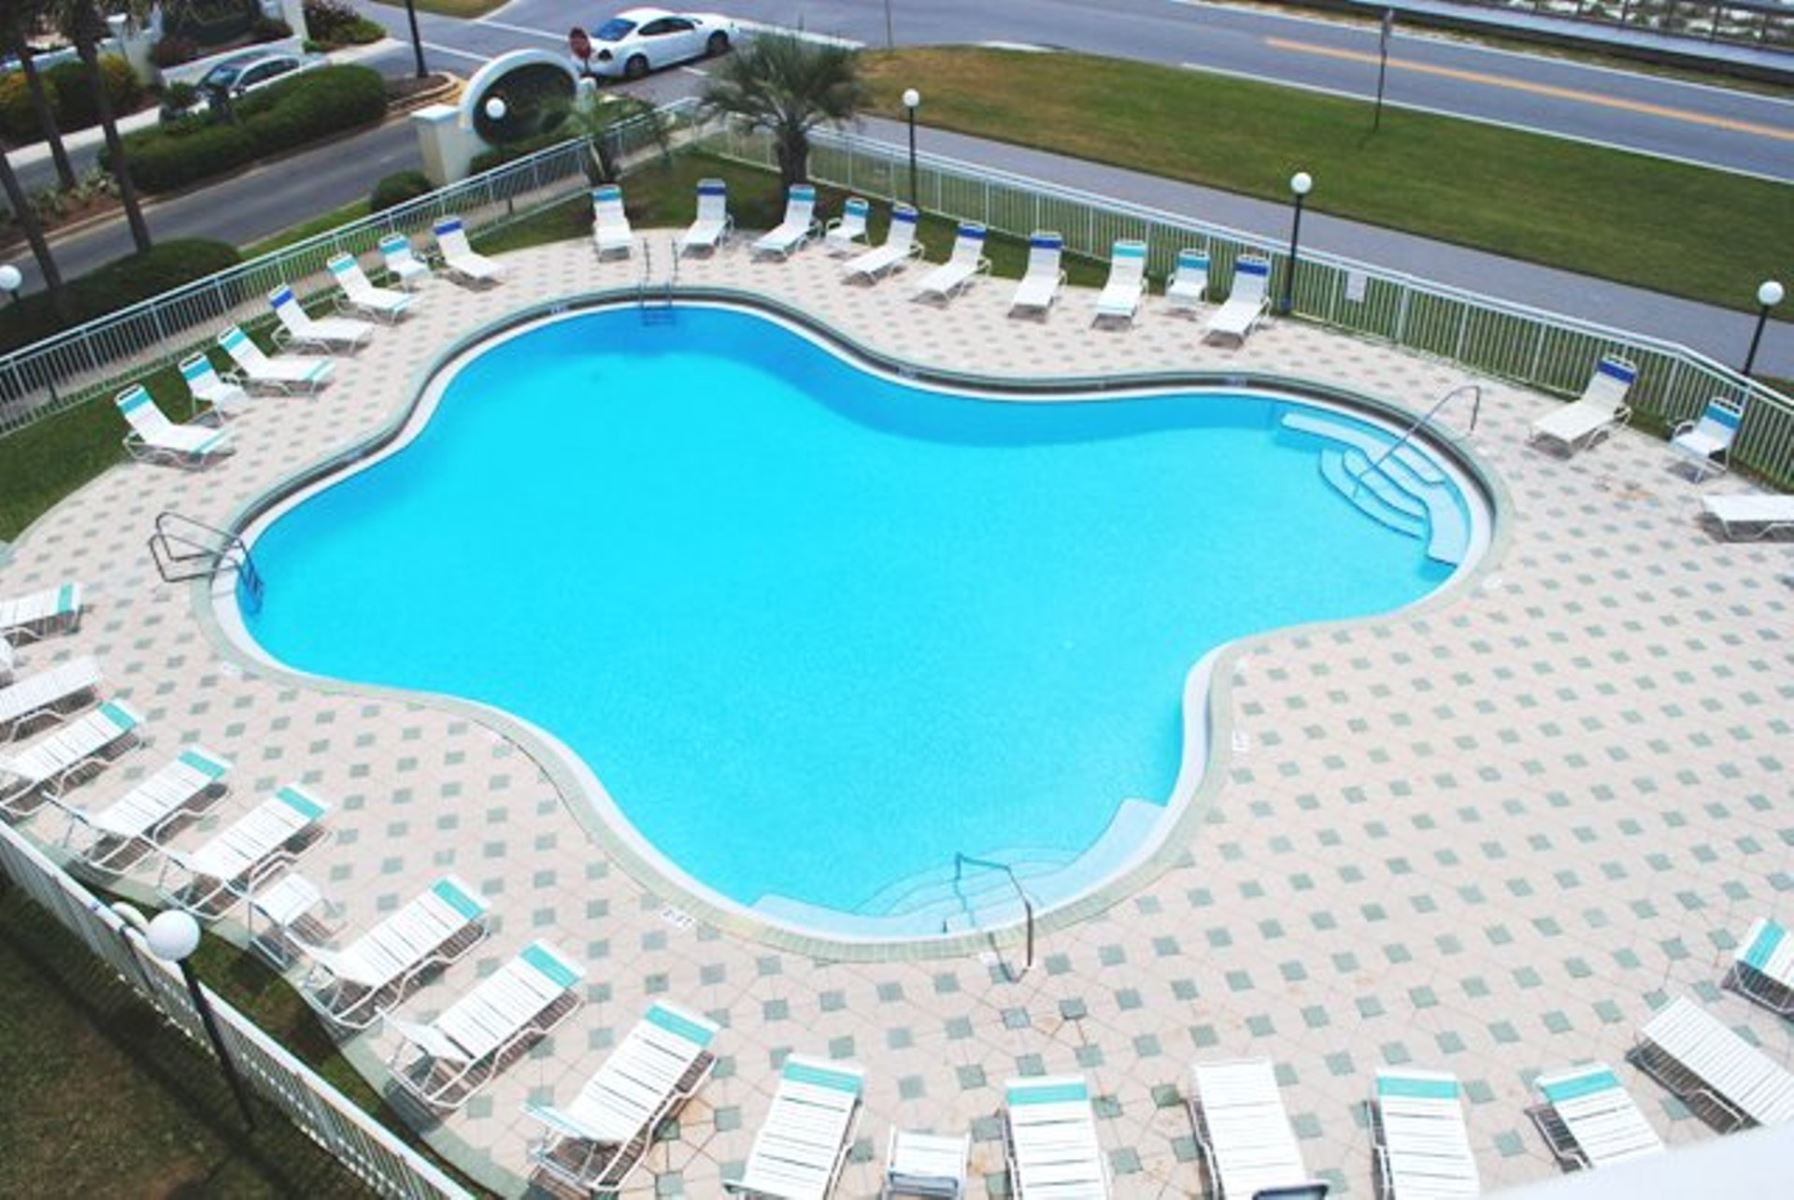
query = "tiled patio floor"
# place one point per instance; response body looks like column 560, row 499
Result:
column 1486, row 837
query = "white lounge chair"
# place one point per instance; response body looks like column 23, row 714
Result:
column 38, row 614
column 44, row 768
column 155, row 439
column 1044, row 277
column 713, row 223
column 7, row 660
column 1750, row 516
column 1422, row 1144
column 402, row 262
column 802, row 1144
column 52, row 693
column 210, row 388
column 360, row 295
column 847, row 233
column 352, row 985
column 610, row 223
column 1763, row 968
column 459, row 258
column 1727, row 1081
column 1243, row 1131
column 966, row 263
column 239, row 857
column 1245, row 304
column 1596, row 413
column 900, row 246
column 1050, row 1139
column 925, row 1164
column 1187, row 289
column 1121, row 295
column 1590, row 1120
column 287, row 374
column 446, row 1061
column 299, row 328
column 1706, row 444
column 595, row 1143
column 798, row 227
column 133, row 824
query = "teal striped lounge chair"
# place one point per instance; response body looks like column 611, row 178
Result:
column 1050, row 1139
column 1589, row 1119
column 133, row 825
column 847, row 233
column 38, row 614
column 287, row 374
column 155, row 439
column 1422, row 1144
column 802, row 1145
column 43, row 769
column 1724, row 1079
column 50, row 695
column 401, row 261
column 611, row 232
column 360, row 295
column 1763, row 969
column 243, row 855
column 211, row 389
column 798, row 227
column 1706, row 445
column 1187, row 289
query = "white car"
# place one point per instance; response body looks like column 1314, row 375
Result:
column 639, row 40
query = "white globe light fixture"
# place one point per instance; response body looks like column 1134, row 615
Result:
column 11, row 280
column 173, row 935
column 911, row 98
column 1301, row 183
column 1769, row 294
column 496, row 108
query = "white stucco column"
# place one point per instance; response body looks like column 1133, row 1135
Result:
column 448, row 145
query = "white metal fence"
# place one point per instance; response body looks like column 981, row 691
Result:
column 365, row 1148
column 1543, row 350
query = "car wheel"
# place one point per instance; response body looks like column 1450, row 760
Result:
column 718, row 44
column 636, row 67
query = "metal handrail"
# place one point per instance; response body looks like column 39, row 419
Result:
column 1426, row 418
column 960, row 861
column 221, row 550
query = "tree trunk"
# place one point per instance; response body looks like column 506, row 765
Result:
column 115, row 146
column 34, row 234
column 794, row 158
column 46, row 116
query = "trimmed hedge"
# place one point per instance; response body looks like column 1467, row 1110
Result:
column 116, row 285
column 397, row 188
column 314, row 105
column 70, row 97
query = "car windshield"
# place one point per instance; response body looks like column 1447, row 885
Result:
column 222, row 75
column 614, row 30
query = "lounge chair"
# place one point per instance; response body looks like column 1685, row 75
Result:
column 352, row 985
column 133, row 824
column 1121, row 295
column 798, row 227
column 1421, row 1142
column 7, row 661
column 713, row 223
column 299, row 328
column 44, row 768
column 596, row 1142
column 1727, row 1081
column 1589, row 1120
column 1044, row 277
column 210, row 388
column 459, row 258
column 1763, row 968
column 1706, row 444
column 1050, row 1139
column 900, row 246
column 287, row 374
column 444, row 1062
column 966, row 263
column 1243, row 1131
column 155, row 439
column 610, row 223
column 1245, row 304
column 38, row 614
column 1596, row 413
column 803, row 1143
column 239, row 857
column 925, row 1164
column 1187, row 289
column 402, row 262
column 359, row 295
column 51, row 693
column 847, row 233
column 1750, row 516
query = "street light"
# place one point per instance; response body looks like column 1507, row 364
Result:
column 173, row 936
column 417, row 39
column 11, row 280
column 912, row 99
column 1769, row 294
column 1300, row 184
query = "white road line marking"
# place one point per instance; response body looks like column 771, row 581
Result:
column 454, row 53
column 700, row 72
column 802, row 35
column 524, row 29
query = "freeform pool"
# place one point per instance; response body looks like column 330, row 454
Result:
column 817, row 629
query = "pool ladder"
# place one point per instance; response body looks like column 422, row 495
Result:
column 960, row 863
column 655, row 301
column 183, row 549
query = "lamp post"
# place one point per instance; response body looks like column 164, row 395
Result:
column 1769, row 294
column 417, row 39
column 912, row 99
column 11, row 280
column 1300, row 184
column 173, row 936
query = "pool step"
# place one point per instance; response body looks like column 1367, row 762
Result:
column 934, row 890
column 1373, row 493
column 1405, row 491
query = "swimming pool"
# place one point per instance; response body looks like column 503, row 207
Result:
column 815, row 629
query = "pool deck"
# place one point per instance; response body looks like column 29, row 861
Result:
column 1487, row 836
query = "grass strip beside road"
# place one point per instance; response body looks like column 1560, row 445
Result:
column 1683, row 230
column 465, row 9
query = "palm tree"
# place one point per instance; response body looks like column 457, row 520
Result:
column 34, row 234
column 84, row 25
column 17, row 23
column 597, row 119
column 787, row 86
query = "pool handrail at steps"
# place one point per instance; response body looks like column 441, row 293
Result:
column 961, row 861
column 1426, row 418
column 184, row 549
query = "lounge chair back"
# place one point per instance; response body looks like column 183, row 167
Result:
column 902, row 233
column 1192, row 267
column 854, row 215
column 37, row 613
column 1245, row 1132
column 292, row 314
column 1251, row 280
column 1052, row 1142
column 146, row 419
column 1045, row 250
column 1720, row 422
column 451, row 235
column 800, row 205
column 803, row 1143
column 396, row 248
column 607, row 207
column 1700, row 1058
column 1602, row 1120
column 1612, row 379
column 242, row 348
column 968, row 247
column 348, row 275
column 76, row 743
column 516, row 994
column 1127, row 262
column 1423, row 1150
column 713, row 201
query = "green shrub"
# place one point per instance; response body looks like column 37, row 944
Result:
column 114, row 286
column 498, row 156
column 18, row 120
column 174, row 50
column 270, row 29
column 397, row 188
column 336, row 23
column 74, row 94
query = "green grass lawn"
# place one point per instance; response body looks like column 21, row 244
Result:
column 353, row 211
column 1678, row 229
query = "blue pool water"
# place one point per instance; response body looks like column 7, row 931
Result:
column 815, row 630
